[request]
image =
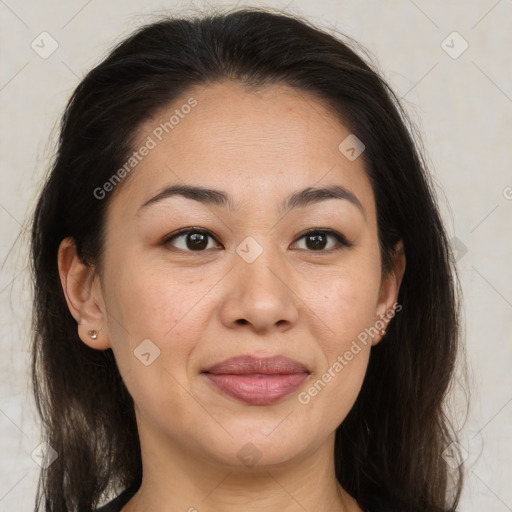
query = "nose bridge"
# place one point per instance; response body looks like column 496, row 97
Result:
column 261, row 264
column 258, row 293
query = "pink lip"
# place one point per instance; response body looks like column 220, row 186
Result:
column 257, row 381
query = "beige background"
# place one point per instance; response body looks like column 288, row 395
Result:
column 463, row 107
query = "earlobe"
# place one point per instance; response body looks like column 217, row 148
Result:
column 83, row 296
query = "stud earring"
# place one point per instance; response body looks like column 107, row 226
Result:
column 93, row 334
column 381, row 332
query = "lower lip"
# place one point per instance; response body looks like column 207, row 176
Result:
column 257, row 389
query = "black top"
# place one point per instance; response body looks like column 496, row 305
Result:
column 118, row 503
column 377, row 503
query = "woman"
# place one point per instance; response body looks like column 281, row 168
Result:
column 244, row 294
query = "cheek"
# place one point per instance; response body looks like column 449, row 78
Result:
column 348, row 309
column 154, row 301
column 166, row 308
column 159, row 304
column 345, row 302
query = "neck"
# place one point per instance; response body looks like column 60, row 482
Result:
column 174, row 479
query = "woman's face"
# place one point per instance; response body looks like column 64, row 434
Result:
column 247, row 279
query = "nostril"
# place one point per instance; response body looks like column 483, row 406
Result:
column 242, row 321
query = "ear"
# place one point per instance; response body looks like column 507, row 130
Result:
column 389, row 289
column 82, row 289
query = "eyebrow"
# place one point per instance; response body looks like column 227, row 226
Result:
column 300, row 199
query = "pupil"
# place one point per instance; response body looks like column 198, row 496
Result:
column 197, row 241
column 317, row 241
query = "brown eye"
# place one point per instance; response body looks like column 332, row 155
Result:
column 322, row 240
column 191, row 240
column 316, row 242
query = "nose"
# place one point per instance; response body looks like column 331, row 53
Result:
column 259, row 296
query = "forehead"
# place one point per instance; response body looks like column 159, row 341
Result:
column 256, row 144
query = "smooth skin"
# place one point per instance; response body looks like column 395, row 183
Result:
column 305, row 298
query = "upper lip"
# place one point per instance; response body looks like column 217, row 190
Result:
column 251, row 365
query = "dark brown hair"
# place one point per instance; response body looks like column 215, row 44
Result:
column 395, row 434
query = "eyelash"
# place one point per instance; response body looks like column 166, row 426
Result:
column 340, row 239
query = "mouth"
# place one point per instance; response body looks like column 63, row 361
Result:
column 257, row 380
